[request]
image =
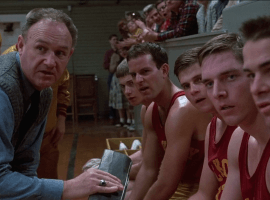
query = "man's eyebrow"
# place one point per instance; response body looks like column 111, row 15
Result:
column 197, row 76
column 184, row 83
column 228, row 72
column 265, row 64
column 205, row 80
column 261, row 66
column 222, row 74
column 246, row 70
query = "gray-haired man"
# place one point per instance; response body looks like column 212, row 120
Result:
column 44, row 48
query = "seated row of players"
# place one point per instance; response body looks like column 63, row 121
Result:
column 227, row 84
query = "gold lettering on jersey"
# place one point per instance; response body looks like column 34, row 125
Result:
column 221, row 168
column 220, row 189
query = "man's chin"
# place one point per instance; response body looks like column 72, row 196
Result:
column 44, row 85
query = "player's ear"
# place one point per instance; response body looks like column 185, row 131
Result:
column 165, row 68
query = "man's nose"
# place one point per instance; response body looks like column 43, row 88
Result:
column 127, row 91
column 219, row 91
column 139, row 78
column 258, row 86
column 193, row 89
column 50, row 59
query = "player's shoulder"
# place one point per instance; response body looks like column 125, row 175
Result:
column 148, row 114
column 183, row 106
column 235, row 143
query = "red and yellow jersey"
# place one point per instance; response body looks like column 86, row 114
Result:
column 253, row 187
column 195, row 159
column 217, row 154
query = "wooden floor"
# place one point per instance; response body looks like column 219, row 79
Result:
column 85, row 141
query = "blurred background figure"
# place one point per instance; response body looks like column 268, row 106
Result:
column 148, row 21
column 163, row 10
column 113, row 39
column 123, row 29
column 134, row 29
column 0, row 42
column 117, row 99
column 219, row 6
column 206, row 15
column 160, row 22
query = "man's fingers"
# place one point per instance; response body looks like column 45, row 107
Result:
column 109, row 181
column 112, row 189
column 112, row 184
column 103, row 175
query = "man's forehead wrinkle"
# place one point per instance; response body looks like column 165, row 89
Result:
column 47, row 42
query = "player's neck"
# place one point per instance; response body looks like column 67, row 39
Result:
column 163, row 99
column 221, row 126
column 256, row 127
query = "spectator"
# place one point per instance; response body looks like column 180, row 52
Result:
column 220, row 5
column 152, row 13
column 219, row 8
column 123, row 29
column 134, row 29
column 128, row 41
column 163, row 10
column 0, row 43
column 206, row 16
column 106, row 65
column 148, row 21
column 116, row 99
column 183, row 20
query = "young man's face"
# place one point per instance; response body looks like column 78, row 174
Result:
column 191, row 81
column 146, row 76
column 228, row 88
column 113, row 41
column 257, row 68
column 123, row 52
column 155, row 16
column 129, row 89
column 163, row 10
column 149, row 21
column 45, row 52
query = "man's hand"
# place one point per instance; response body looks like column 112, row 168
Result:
column 148, row 36
column 140, row 24
column 58, row 132
column 88, row 183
